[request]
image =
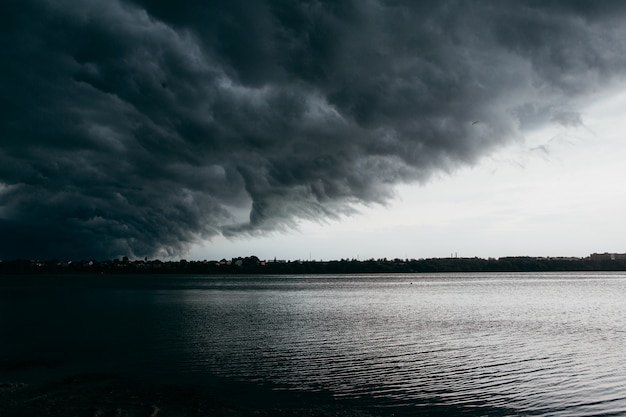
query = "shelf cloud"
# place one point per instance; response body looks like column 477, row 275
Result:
column 142, row 127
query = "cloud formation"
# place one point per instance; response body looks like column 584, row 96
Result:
column 141, row 127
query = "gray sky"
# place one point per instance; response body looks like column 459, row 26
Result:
column 324, row 129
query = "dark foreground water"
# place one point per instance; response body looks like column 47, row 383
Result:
column 474, row 344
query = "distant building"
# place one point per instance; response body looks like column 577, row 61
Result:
column 607, row 256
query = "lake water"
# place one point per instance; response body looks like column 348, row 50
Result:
column 475, row 344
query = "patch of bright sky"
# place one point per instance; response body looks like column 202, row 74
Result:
column 557, row 193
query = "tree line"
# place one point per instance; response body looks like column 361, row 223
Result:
column 253, row 265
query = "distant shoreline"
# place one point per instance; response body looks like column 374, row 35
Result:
column 255, row 266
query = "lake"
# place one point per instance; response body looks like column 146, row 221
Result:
column 468, row 344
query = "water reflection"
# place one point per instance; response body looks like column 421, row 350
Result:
column 487, row 344
column 537, row 345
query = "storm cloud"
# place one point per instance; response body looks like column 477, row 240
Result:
column 141, row 127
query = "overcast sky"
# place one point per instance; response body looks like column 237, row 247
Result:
column 322, row 129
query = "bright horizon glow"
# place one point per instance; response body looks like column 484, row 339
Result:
column 554, row 193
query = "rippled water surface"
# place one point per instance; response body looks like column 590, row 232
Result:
column 497, row 344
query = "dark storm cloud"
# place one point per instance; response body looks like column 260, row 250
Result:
column 142, row 127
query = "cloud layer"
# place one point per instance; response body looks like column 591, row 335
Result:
column 139, row 128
